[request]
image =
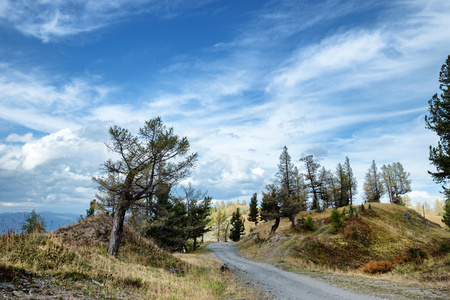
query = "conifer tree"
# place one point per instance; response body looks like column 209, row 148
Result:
column 270, row 206
column 237, row 226
column 373, row 188
column 154, row 156
column 439, row 121
column 289, row 204
column 253, row 213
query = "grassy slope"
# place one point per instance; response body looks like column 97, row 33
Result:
column 384, row 233
column 74, row 256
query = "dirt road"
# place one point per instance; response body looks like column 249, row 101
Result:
column 277, row 283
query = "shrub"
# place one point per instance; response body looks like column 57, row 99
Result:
column 444, row 247
column 351, row 211
column 336, row 221
column 417, row 253
column 362, row 207
column 412, row 255
column 378, row 266
column 309, row 224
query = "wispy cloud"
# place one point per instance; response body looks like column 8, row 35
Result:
column 297, row 73
column 40, row 101
column 49, row 20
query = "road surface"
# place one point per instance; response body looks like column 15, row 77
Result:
column 277, row 283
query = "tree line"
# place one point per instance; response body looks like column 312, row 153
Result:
column 318, row 188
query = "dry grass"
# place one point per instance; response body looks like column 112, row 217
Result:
column 381, row 234
column 76, row 255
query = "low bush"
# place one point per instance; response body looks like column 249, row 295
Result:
column 309, row 224
column 336, row 221
column 378, row 266
column 444, row 247
column 417, row 253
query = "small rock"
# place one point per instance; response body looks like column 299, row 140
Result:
column 96, row 282
column 17, row 294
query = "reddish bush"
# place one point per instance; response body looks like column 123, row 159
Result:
column 378, row 266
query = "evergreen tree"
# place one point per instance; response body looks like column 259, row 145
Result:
column 342, row 184
column 289, row 204
column 270, row 206
column 237, row 226
column 446, row 214
column 253, row 213
column 167, row 220
column 373, row 187
column 439, row 121
column 154, row 156
column 33, row 223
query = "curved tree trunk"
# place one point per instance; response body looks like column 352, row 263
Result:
column 275, row 226
column 117, row 230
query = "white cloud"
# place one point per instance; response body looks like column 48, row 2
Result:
column 333, row 54
column 38, row 100
column 258, row 171
column 28, row 137
column 418, row 196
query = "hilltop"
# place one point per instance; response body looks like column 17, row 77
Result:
column 387, row 241
column 73, row 262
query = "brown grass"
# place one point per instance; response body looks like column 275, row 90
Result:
column 76, row 255
column 385, row 233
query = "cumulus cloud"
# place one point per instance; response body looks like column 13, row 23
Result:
column 53, row 171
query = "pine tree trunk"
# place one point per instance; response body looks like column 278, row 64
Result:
column 117, row 230
column 293, row 220
column 195, row 243
column 275, row 226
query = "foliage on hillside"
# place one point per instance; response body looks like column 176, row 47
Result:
column 385, row 233
column 75, row 258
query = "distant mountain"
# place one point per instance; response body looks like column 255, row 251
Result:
column 53, row 221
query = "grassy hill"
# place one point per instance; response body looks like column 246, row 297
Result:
column 385, row 239
column 73, row 263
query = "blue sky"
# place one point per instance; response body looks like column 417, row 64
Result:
column 240, row 79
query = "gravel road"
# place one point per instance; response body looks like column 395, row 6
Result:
column 277, row 283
